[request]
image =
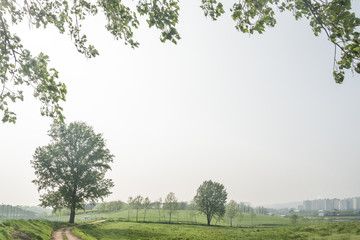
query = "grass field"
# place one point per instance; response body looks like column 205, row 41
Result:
column 183, row 228
column 114, row 230
column 183, row 216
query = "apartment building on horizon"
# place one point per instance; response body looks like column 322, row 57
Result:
column 331, row 204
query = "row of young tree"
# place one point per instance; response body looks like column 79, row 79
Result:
column 210, row 200
column 171, row 206
column 236, row 210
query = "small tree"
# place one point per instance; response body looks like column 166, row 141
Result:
column 146, row 205
column 70, row 171
column 171, row 204
column 239, row 217
column 252, row 217
column 231, row 209
column 293, row 218
column 157, row 206
column 129, row 206
column 210, row 199
column 137, row 204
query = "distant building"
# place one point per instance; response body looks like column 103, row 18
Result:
column 337, row 204
column 313, row 205
column 356, row 203
column 331, row 204
column 307, row 205
column 346, row 204
column 320, row 204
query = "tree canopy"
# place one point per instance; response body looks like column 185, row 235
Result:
column 333, row 17
column 210, row 199
column 18, row 66
column 70, row 171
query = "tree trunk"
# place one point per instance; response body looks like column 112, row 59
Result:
column 208, row 220
column 137, row 211
column 72, row 215
column 73, row 205
column 170, row 217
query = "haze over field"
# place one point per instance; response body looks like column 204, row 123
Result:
column 260, row 114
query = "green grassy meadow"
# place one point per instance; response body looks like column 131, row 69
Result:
column 185, row 225
column 189, row 225
column 113, row 230
column 182, row 216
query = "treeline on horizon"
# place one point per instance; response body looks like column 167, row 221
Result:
column 17, row 212
column 159, row 204
column 138, row 208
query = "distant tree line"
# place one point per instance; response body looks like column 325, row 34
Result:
column 107, row 206
column 236, row 210
column 14, row 212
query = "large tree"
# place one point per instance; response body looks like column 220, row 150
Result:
column 19, row 67
column 210, row 199
column 70, row 171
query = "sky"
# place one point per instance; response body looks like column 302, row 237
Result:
column 260, row 114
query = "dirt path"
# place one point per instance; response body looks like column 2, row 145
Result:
column 62, row 232
column 66, row 234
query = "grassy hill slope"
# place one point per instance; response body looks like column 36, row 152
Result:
column 28, row 229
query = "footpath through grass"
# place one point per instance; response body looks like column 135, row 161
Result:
column 28, row 229
column 115, row 229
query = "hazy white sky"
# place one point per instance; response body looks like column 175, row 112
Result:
column 260, row 114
